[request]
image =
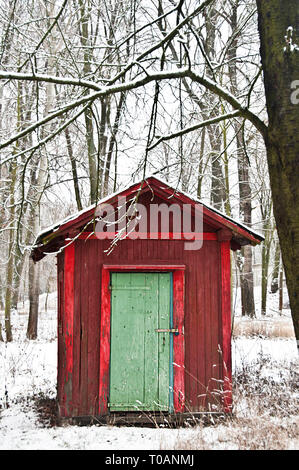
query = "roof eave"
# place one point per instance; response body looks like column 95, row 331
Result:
column 73, row 225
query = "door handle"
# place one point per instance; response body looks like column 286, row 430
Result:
column 168, row 330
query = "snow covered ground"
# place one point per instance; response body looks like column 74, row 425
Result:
column 263, row 366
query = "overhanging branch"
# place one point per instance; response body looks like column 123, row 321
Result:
column 139, row 83
column 187, row 130
column 8, row 75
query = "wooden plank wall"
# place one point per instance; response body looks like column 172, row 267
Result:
column 203, row 364
column 60, row 332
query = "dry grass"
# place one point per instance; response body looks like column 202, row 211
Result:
column 47, row 410
column 265, row 413
column 261, row 434
column 244, row 434
column 270, row 328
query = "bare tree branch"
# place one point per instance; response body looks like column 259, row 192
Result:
column 126, row 86
column 186, row 130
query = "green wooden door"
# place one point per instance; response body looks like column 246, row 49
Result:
column 140, row 372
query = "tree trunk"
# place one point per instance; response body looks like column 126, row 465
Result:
column 40, row 176
column 245, row 196
column 17, row 277
column 210, row 110
column 11, row 256
column 94, row 177
column 266, row 211
column 112, row 142
column 33, row 299
column 74, row 168
column 275, row 273
column 200, row 163
column 227, row 205
column 102, row 140
column 15, row 290
column 281, row 68
column 247, row 284
column 281, row 291
column 4, row 60
column 9, row 289
column 92, row 156
column 245, row 210
column 265, row 270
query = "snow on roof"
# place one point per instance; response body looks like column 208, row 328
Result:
column 55, row 227
column 211, row 208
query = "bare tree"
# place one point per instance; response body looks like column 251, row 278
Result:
column 146, row 67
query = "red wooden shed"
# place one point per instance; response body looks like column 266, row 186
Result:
column 144, row 328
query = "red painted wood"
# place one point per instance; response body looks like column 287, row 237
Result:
column 198, row 331
column 178, row 341
column 104, row 343
column 155, row 187
column 86, row 292
column 224, row 235
column 203, row 317
column 226, row 323
column 77, row 331
column 215, row 360
column 69, row 264
column 86, row 334
column 60, row 333
column 192, row 343
column 93, row 331
column 84, row 314
column 211, row 216
column 141, row 267
column 149, row 236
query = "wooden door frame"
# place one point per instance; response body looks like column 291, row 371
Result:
column 178, row 275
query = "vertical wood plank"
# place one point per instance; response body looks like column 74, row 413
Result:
column 69, row 264
column 151, row 339
column 216, row 337
column 163, row 288
column 104, row 343
column 60, row 334
column 191, row 333
column 200, row 282
column 226, row 323
column 207, row 324
column 84, row 307
column 77, row 330
column 93, row 329
column 178, row 342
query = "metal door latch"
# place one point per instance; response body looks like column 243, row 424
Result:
column 168, row 330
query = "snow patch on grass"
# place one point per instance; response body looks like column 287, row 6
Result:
column 265, row 415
